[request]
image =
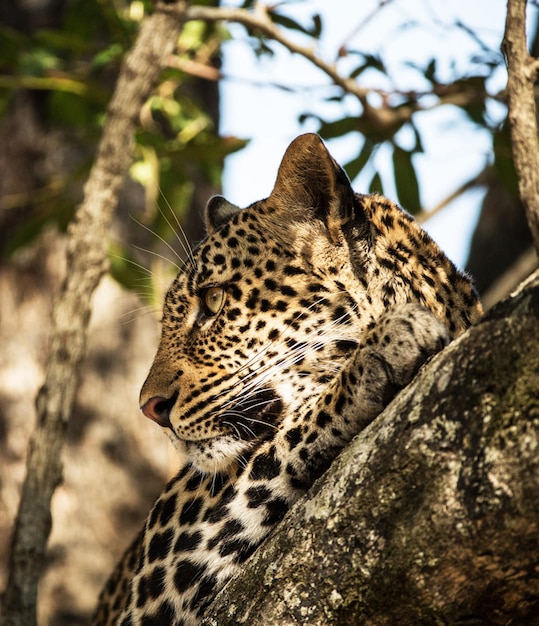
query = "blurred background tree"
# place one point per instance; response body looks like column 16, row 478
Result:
column 59, row 61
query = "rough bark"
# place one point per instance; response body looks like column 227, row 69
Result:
column 431, row 516
column 86, row 262
column 502, row 234
column 522, row 71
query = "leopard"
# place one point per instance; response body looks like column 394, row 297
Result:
column 289, row 329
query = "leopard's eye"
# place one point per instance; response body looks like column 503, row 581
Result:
column 213, row 298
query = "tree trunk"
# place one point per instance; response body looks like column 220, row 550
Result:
column 86, row 262
column 431, row 515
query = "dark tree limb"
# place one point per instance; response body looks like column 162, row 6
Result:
column 431, row 516
column 522, row 72
column 86, row 264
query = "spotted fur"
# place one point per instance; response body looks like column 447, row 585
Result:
column 292, row 325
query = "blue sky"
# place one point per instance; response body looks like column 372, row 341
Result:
column 454, row 149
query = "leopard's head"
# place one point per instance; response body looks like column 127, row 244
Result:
column 261, row 315
column 275, row 299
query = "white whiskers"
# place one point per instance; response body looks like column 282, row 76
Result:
column 270, row 363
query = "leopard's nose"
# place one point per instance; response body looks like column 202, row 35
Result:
column 158, row 409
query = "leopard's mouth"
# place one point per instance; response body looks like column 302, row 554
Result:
column 254, row 417
column 244, row 426
column 244, row 420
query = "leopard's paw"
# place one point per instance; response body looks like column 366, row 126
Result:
column 394, row 351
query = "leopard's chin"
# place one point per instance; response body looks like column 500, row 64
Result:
column 255, row 417
column 246, row 424
column 218, row 454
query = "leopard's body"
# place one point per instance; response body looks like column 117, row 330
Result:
column 292, row 326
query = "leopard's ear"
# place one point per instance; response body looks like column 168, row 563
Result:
column 218, row 211
column 310, row 182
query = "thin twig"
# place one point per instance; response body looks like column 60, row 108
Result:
column 195, row 68
column 482, row 178
column 522, row 70
column 259, row 20
column 363, row 24
column 382, row 118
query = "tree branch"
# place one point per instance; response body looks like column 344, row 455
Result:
column 259, row 20
column 383, row 119
column 86, row 263
column 483, row 178
column 522, row 70
column 431, row 515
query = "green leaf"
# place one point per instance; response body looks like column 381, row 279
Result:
column 475, row 109
column 418, row 143
column 406, row 180
column 338, row 128
column 430, row 71
column 317, row 26
column 477, row 113
column 288, row 22
column 109, row 55
column 339, row 97
column 359, row 70
column 262, row 49
column 354, row 167
column 303, row 117
column 376, row 184
column 38, row 61
column 370, row 61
